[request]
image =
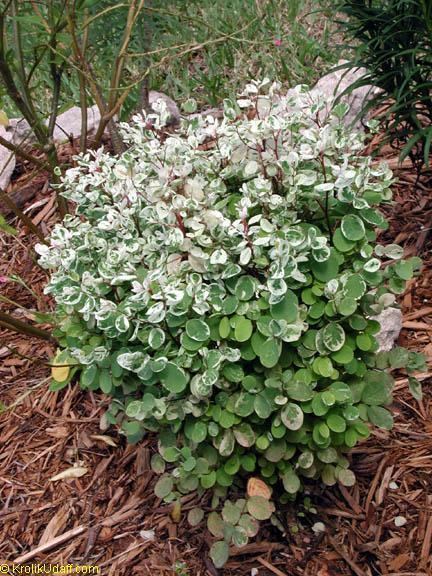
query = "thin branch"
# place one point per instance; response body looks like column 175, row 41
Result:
column 18, row 150
column 5, row 198
column 10, row 323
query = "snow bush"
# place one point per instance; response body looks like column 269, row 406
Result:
column 217, row 283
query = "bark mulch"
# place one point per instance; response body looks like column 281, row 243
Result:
column 111, row 518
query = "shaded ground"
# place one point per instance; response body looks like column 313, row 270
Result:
column 110, row 516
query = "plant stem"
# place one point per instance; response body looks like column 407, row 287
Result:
column 20, row 214
column 10, row 323
column 18, row 150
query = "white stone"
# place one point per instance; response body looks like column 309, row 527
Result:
column 68, row 124
column 390, row 321
column 318, row 527
column 334, row 83
column 400, row 521
column 7, row 160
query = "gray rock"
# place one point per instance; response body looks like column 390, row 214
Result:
column 68, row 124
column 334, row 83
column 20, row 132
column 170, row 104
column 7, row 160
column 390, row 320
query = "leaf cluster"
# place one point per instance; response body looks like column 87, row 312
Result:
column 393, row 43
column 220, row 284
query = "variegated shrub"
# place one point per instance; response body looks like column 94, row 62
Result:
column 217, row 283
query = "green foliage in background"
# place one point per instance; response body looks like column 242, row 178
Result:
column 393, row 42
column 289, row 40
column 204, row 49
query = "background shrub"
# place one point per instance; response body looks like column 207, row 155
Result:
column 393, row 42
column 218, row 283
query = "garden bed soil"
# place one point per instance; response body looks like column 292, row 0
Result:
column 111, row 518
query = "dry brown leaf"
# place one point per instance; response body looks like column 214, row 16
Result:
column 73, row 472
column 57, row 431
column 399, row 562
column 256, row 487
column 107, row 439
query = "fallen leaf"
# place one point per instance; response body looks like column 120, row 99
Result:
column 73, row 472
column 399, row 562
column 257, row 487
column 176, row 512
column 103, row 438
column 60, row 373
column 57, row 431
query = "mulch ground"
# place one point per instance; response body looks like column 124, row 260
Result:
column 110, row 516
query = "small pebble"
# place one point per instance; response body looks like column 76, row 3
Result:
column 400, row 521
column 148, row 535
column 319, row 527
column 393, row 486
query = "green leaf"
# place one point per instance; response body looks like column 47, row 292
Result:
column 231, row 513
column 245, row 288
column 298, row 390
column 244, row 405
column 259, row 507
column 157, row 464
column 380, row 417
column 244, row 435
column 249, row 524
column 377, row 389
column 341, row 243
column 404, row 269
column 343, row 356
column 364, row 342
column 286, row 309
column 105, row 381
column 215, row 525
column 224, row 328
column 219, row 553
column 398, row 357
column 346, row 306
column 292, row 416
column 291, row 482
column 262, row 406
column 88, row 375
column 164, row 486
column 346, row 477
column 352, row 228
column 195, row 516
column 333, row 336
column 415, row 388
column 197, row 330
column 208, row 480
column 355, row 286
column 270, row 352
column 227, row 443
column 243, row 329
column 173, row 378
column 325, row 271
column 374, row 217
column 199, row 432
column 336, row 423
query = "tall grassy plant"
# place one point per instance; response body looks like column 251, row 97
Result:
column 393, row 42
